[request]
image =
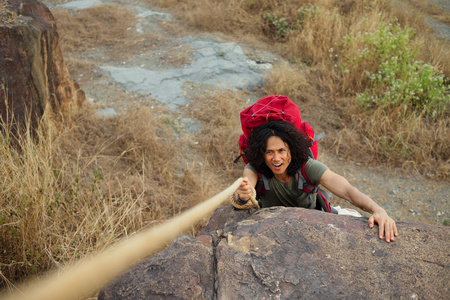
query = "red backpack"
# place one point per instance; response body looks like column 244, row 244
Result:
column 278, row 107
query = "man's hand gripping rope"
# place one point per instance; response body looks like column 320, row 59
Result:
column 245, row 196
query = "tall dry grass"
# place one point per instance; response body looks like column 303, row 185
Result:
column 286, row 79
column 400, row 138
column 72, row 190
column 56, row 207
column 218, row 113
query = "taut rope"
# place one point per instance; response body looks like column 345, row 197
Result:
column 90, row 274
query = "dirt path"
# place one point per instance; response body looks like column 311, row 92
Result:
column 164, row 65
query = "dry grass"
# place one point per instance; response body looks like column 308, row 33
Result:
column 177, row 55
column 219, row 115
column 426, row 6
column 99, row 26
column 106, row 33
column 401, row 139
column 287, row 79
column 74, row 191
column 96, row 32
column 6, row 15
column 234, row 14
column 436, row 52
column 54, row 208
column 3, row 5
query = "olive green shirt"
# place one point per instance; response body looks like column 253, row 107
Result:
column 281, row 194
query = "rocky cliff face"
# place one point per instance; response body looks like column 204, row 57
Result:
column 33, row 76
column 290, row 253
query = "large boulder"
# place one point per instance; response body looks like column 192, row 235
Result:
column 33, row 76
column 290, row 253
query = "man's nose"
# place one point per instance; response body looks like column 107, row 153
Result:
column 276, row 155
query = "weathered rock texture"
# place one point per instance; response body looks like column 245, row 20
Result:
column 292, row 253
column 33, row 76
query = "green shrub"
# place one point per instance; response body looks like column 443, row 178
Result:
column 281, row 25
column 395, row 76
column 307, row 11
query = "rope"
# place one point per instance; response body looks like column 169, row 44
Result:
column 89, row 274
column 250, row 203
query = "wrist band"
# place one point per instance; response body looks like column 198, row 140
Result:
column 240, row 200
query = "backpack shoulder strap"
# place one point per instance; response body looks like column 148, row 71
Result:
column 316, row 138
column 303, row 181
column 263, row 184
column 307, row 186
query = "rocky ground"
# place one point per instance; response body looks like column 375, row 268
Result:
column 170, row 70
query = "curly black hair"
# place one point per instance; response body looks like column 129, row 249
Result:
column 297, row 141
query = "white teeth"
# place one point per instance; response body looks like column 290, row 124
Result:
column 277, row 165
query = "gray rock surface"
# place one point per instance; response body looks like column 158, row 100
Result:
column 81, row 4
column 222, row 65
column 292, row 253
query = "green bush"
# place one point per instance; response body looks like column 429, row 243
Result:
column 281, row 25
column 394, row 74
column 307, row 11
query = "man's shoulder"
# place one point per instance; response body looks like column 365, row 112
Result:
column 251, row 168
column 312, row 163
column 314, row 169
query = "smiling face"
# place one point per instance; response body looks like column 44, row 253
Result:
column 277, row 156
